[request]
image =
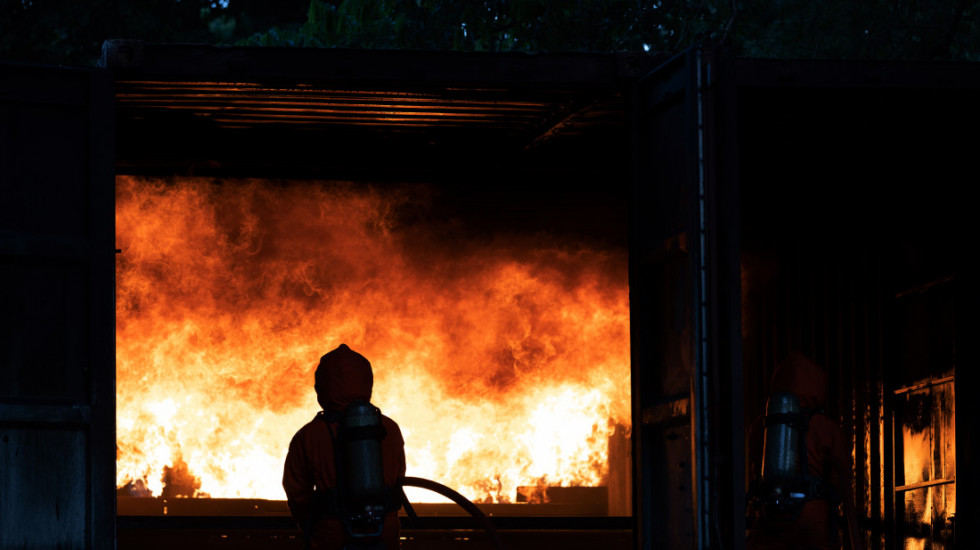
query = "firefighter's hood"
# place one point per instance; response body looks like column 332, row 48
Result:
column 343, row 376
column 800, row 375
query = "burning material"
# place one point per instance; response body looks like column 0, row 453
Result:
column 927, row 417
column 505, row 361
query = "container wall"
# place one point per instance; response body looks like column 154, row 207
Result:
column 853, row 224
column 57, row 443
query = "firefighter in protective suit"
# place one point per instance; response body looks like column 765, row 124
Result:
column 314, row 473
column 810, row 521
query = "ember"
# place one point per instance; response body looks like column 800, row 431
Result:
column 505, row 360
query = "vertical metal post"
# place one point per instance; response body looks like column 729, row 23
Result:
column 701, row 382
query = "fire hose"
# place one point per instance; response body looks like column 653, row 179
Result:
column 452, row 495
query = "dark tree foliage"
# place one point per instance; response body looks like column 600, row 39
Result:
column 830, row 29
column 503, row 25
column 62, row 32
column 870, row 29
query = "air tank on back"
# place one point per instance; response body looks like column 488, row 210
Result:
column 362, row 434
column 782, row 440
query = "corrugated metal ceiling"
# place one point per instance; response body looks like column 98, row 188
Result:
column 233, row 105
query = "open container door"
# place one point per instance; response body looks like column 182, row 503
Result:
column 57, row 371
column 684, row 308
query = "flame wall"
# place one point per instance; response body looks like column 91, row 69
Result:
column 504, row 359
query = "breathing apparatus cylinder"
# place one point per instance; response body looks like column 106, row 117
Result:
column 782, row 463
column 781, row 451
column 361, row 434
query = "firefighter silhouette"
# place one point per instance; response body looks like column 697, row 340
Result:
column 343, row 468
column 798, row 466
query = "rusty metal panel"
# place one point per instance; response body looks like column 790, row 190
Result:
column 967, row 300
column 57, row 412
column 686, row 381
column 662, row 308
column 39, row 342
column 41, row 477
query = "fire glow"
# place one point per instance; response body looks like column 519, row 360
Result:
column 504, row 360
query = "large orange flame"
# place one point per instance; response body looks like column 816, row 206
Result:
column 505, row 361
